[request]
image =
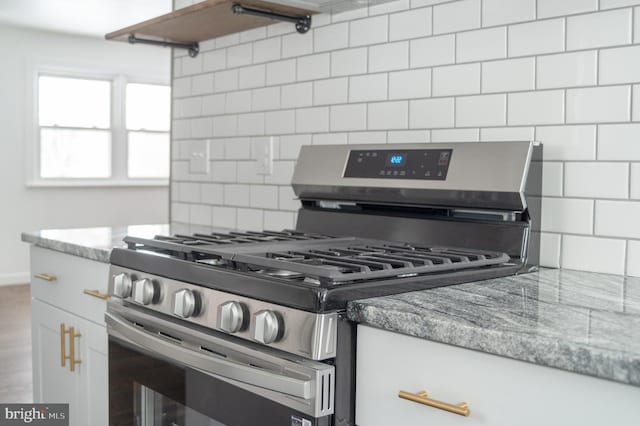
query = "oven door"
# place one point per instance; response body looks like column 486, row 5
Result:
column 163, row 373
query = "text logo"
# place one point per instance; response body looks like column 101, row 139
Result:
column 34, row 414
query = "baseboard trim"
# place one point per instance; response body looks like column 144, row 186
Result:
column 12, row 279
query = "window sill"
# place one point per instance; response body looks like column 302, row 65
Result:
column 90, row 183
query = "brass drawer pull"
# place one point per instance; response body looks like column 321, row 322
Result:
column 96, row 293
column 72, row 347
column 45, row 277
column 421, row 398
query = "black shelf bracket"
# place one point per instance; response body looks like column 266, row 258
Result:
column 193, row 48
column 303, row 23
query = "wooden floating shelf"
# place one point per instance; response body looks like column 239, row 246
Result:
column 212, row 18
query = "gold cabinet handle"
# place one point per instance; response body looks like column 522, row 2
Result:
column 421, row 398
column 96, row 293
column 72, row 347
column 46, row 277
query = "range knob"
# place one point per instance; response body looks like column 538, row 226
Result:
column 144, row 291
column 186, row 303
column 231, row 317
column 267, row 327
column 122, row 285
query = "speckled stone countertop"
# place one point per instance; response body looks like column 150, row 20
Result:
column 577, row 321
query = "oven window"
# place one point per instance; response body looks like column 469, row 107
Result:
column 151, row 408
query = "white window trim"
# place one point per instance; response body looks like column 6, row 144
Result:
column 119, row 142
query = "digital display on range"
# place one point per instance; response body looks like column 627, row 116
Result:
column 426, row 164
column 396, row 159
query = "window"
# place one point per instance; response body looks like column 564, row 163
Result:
column 101, row 131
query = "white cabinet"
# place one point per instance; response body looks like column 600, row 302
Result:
column 67, row 325
column 499, row 391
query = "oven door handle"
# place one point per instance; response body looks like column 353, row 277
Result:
column 209, row 364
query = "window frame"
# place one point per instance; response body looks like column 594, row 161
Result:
column 119, row 133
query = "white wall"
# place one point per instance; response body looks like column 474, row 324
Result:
column 23, row 208
column 565, row 73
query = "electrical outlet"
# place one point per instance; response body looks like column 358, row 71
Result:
column 199, row 157
column 263, row 153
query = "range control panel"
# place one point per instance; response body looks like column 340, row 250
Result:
column 425, row 164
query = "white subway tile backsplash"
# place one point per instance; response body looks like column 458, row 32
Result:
column 265, row 99
column 410, row 84
column 349, row 15
column 567, row 142
column 332, row 91
column 509, row 75
column 551, row 8
column 189, row 192
column 239, row 55
column 212, row 193
column 250, row 77
column 388, row 7
column 223, row 171
column 224, row 217
column 311, row 120
column 224, row 81
column 297, row 44
column 485, row 110
column 635, row 181
column 191, row 66
column 431, row 51
column 636, row 25
column 247, row 172
column 599, row 29
column 349, row 61
column 348, row 117
column 431, row 113
column 225, row 125
column 249, row 219
column 214, row 60
column 619, row 142
column 355, row 138
column 279, row 220
column 330, row 139
column 282, row 173
column 498, row 12
column 237, row 149
column 264, row 196
column 200, row 214
column 536, row 37
column 507, row 134
column 267, row 50
column 331, row 37
column 456, row 16
column 228, row 40
column 635, row 106
column 369, row 31
column 297, row 95
column 287, row 199
column 410, row 24
column 408, row 136
column 481, row 45
column 202, row 84
column 597, row 180
column 567, row 69
column 552, row 179
column 456, row 80
column 181, row 87
column 201, row 127
column 213, row 104
column 281, row 72
column 238, row 101
column 388, row 115
column 280, row 122
column 546, row 107
column 608, row 4
column 314, row 67
column 621, row 65
column 455, row 135
column 236, row 195
column 550, row 250
column 370, row 87
column 618, row 218
column 567, row 215
column 600, row 104
column 633, row 259
column 290, row 145
column 253, row 34
column 593, row 254
column 389, row 57
column 282, row 28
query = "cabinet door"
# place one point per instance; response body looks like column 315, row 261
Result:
column 94, row 374
column 499, row 391
column 51, row 381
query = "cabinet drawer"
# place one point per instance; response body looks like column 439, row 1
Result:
column 499, row 391
column 61, row 279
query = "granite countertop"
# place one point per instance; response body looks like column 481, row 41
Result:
column 582, row 322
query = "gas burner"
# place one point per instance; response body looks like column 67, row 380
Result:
column 280, row 273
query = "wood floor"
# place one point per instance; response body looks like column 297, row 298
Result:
column 15, row 344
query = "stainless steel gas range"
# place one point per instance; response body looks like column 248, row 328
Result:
column 249, row 328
